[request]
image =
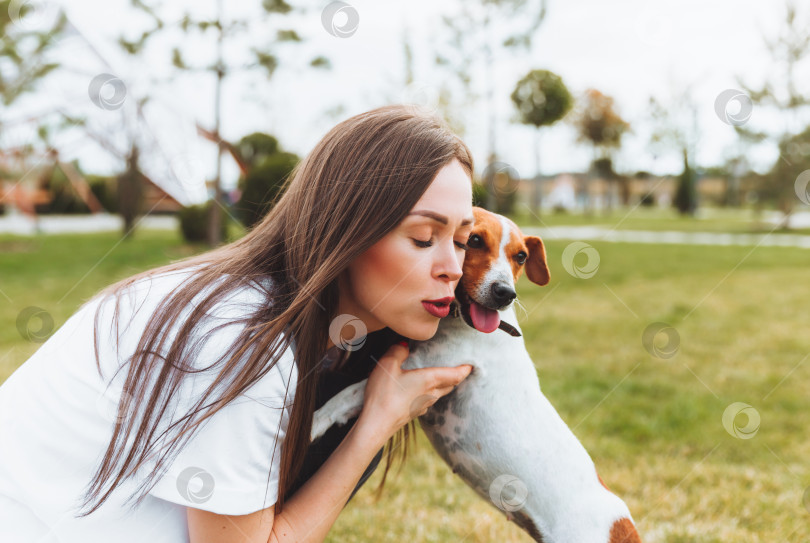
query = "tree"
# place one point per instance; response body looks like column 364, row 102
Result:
column 264, row 171
column 541, row 99
column 263, row 185
column 29, row 34
column 266, row 168
column 598, row 124
column 788, row 49
column 781, row 180
column 481, row 34
column 130, row 191
column 25, row 45
column 686, row 194
column 126, row 135
column 675, row 128
column 223, row 29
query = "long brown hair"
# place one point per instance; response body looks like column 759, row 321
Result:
column 356, row 185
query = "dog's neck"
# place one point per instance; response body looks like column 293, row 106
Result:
column 497, row 427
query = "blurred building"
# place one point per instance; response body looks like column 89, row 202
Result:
column 576, row 191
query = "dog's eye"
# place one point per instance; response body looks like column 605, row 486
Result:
column 521, row 257
column 475, row 242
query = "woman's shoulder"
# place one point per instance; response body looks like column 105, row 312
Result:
column 213, row 333
column 146, row 293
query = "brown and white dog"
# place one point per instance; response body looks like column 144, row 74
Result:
column 497, row 430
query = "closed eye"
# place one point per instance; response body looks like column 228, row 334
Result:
column 428, row 243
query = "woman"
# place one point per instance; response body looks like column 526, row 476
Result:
column 200, row 408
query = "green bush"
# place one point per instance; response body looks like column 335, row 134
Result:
column 685, row 200
column 194, row 222
column 104, row 189
column 65, row 200
column 479, row 193
column 256, row 146
column 262, row 186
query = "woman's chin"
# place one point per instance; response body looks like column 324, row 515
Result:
column 422, row 332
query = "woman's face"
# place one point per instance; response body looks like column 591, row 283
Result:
column 419, row 260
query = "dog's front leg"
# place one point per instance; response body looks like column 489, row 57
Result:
column 341, row 408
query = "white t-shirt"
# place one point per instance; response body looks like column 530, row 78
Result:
column 57, row 416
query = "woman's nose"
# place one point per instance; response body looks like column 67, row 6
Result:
column 449, row 265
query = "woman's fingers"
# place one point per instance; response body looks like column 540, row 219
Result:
column 395, row 395
column 445, row 377
column 398, row 352
column 426, row 401
column 444, row 390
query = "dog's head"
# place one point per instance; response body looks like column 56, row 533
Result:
column 497, row 254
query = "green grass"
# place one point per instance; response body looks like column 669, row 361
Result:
column 732, row 220
column 653, row 426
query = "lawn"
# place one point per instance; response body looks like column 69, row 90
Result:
column 708, row 219
column 652, row 425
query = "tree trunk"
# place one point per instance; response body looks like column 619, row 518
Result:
column 130, row 193
column 537, row 202
column 215, row 217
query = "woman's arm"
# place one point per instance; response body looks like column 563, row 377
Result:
column 310, row 513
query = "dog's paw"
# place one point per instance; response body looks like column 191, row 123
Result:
column 349, row 414
column 343, row 407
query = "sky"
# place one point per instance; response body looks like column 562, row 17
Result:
column 628, row 49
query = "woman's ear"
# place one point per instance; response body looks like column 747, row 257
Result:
column 536, row 267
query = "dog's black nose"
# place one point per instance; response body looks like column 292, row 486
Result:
column 502, row 293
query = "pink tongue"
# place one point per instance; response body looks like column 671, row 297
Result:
column 485, row 320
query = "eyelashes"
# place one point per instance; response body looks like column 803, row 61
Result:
column 425, row 244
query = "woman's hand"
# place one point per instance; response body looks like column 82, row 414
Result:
column 393, row 396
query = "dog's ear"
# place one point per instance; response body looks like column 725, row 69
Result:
column 536, row 267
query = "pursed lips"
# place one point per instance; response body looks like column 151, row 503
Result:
column 439, row 307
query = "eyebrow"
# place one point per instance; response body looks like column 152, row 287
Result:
column 438, row 217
